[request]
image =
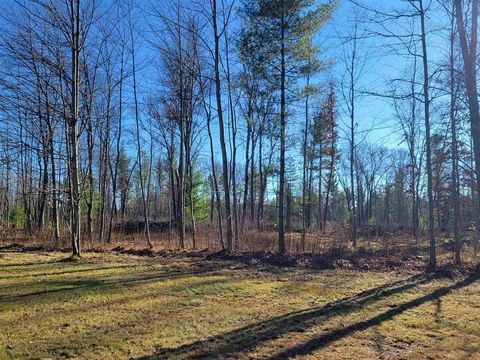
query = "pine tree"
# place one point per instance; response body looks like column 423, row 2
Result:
column 279, row 31
column 326, row 137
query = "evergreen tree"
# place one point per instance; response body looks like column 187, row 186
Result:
column 279, row 33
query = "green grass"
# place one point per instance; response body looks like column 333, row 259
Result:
column 113, row 306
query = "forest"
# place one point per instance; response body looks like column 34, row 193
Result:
column 310, row 163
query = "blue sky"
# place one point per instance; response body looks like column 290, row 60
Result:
column 375, row 115
column 383, row 64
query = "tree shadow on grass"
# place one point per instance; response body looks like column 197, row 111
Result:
column 29, row 264
column 51, row 287
column 249, row 337
column 66, row 272
column 325, row 339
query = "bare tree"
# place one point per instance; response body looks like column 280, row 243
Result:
column 218, row 91
column 469, row 55
column 138, row 140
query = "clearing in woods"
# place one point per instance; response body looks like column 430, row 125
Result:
column 123, row 306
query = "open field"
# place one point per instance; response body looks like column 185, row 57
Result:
column 122, row 306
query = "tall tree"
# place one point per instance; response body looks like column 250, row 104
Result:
column 280, row 30
column 468, row 44
column 426, row 103
column 217, row 33
column 355, row 61
column 141, row 170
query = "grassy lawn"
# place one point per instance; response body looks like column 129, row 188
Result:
column 121, row 306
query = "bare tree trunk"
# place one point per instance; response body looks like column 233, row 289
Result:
column 150, row 171
column 192, row 206
column 72, row 128
column 431, row 224
column 289, row 207
column 44, row 190
column 308, row 214
column 329, row 187
column 208, row 113
column 320, row 165
column 453, row 124
column 172, row 179
column 215, row 183
column 352, row 99
column 252, row 178
column 304, row 177
column 90, row 174
column 469, row 55
column 24, row 176
column 89, row 92
column 247, row 160
column 283, row 115
column 413, row 161
column 181, row 161
column 113, row 213
column 139, row 150
column 212, row 200
column 260, row 177
column 352, row 162
column 233, row 160
column 56, row 220
column 117, row 148
column 226, row 183
column 104, row 165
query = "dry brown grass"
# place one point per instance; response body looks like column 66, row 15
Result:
column 126, row 307
column 335, row 242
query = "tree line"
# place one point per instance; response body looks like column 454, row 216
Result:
column 229, row 116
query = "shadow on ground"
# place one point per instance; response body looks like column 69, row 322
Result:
column 29, row 290
column 246, row 339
